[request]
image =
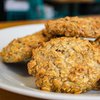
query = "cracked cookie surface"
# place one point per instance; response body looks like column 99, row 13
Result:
column 21, row 49
column 69, row 65
column 74, row 26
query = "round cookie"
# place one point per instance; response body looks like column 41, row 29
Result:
column 21, row 49
column 69, row 65
column 74, row 26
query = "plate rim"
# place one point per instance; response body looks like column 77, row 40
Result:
column 47, row 95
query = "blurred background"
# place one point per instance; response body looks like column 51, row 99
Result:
column 11, row 10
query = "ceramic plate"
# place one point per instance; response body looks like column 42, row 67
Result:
column 14, row 77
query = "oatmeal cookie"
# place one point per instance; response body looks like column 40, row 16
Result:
column 20, row 49
column 69, row 65
column 74, row 26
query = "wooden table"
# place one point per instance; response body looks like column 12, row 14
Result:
column 16, row 23
column 5, row 95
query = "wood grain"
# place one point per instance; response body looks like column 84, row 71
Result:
column 5, row 95
column 17, row 23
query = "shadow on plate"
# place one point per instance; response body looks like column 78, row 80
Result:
column 19, row 68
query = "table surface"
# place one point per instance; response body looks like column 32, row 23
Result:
column 5, row 95
column 17, row 23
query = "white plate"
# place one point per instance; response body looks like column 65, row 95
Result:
column 14, row 77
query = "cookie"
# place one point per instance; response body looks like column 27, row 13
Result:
column 21, row 49
column 74, row 27
column 69, row 65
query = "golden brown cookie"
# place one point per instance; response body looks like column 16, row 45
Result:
column 69, row 65
column 20, row 49
column 74, row 26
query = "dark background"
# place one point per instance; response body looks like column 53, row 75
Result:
column 37, row 9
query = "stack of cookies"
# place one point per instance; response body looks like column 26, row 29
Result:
column 62, row 59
